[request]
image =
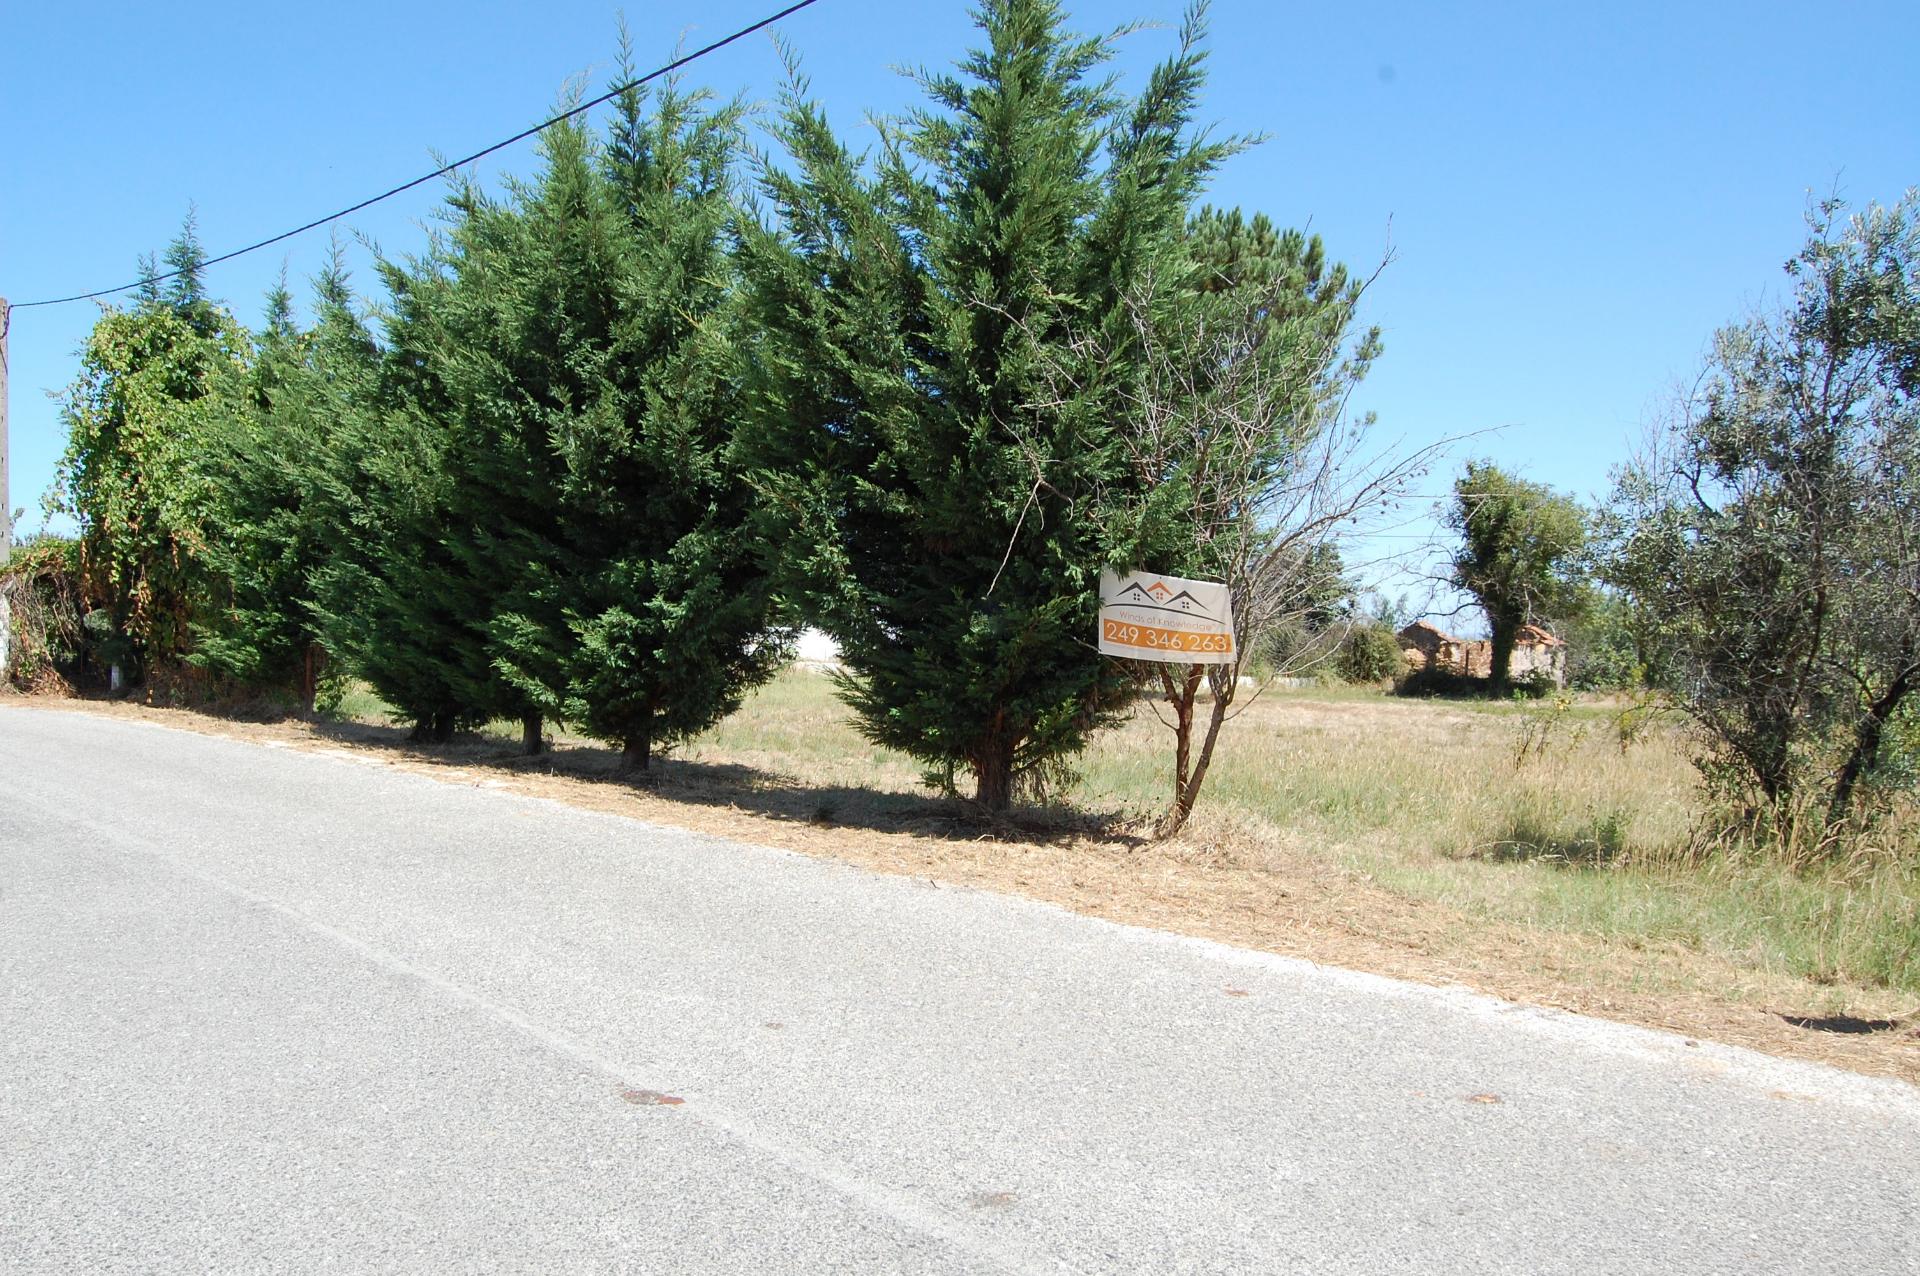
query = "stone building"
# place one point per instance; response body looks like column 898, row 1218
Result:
column 1535, row 651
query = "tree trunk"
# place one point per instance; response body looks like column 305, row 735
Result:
column 1500, row 675
column 993, row 767
column 1180, row 697
column 309, row 682
column 432, row 728
column 1866, row 746
column 637, row 755
column 531, row 742
column 993, row 780
column 1190, row 773
column 1768, row 756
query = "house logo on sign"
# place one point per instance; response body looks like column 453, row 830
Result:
column 1160, row 596
column 1144, row 616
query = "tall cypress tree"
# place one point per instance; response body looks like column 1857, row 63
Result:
column 501, row 325
column 945, row 499
column 671, row 612
column 581, row 334
column 389, row 598
column 257, row 627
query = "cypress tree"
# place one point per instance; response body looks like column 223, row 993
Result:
column 946, row 503
column 185, row 259
column 580, row 332
column 266, row 544
column 500, row 323
column 671, row 612
column 389, row 599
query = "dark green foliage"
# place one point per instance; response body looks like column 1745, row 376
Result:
column 391, row 600
column 494, row 323
column 1370, row 652
column 577, row 343
column 1308, row 303
column 670, row 619
column 1772, row 544
column 946, row 504
column 257, row 626
column 1519, row 555
column 1431, row 682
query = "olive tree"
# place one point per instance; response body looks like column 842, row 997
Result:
column 1771, row 535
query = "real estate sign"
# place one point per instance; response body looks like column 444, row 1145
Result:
column 1149, row 617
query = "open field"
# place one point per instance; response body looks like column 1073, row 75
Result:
column 1435, row 802
column 1418, row 839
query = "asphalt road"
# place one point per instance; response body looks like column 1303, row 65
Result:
column 263, row 1010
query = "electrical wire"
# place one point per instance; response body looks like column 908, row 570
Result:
column 442, row 171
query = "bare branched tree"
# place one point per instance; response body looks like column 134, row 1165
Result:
column 1247, row 467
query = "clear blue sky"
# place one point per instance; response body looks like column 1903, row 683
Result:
column 1576, row 196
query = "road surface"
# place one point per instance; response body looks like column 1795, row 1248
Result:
column 266, row 1010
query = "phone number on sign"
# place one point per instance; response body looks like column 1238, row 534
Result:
column 1147, row 636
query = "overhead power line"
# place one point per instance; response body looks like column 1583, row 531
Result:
column 444, row 169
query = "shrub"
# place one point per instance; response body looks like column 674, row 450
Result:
column 1370, row 653
column 49, row 645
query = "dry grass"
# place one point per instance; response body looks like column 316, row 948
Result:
column 1538, row 817
column 1522, row 852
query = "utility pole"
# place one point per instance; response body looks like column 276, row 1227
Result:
column 6, row 500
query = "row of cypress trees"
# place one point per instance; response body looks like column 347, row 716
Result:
column 622, row 426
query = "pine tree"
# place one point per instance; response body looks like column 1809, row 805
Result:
column 946, row 507
column 1244, row 468
column 1308, row 303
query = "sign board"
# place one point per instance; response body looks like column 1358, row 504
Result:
column 1149, row 617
